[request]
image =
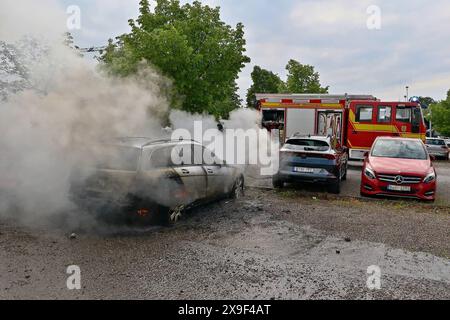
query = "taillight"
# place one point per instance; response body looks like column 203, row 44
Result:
column 143, row 212
column 287, row 155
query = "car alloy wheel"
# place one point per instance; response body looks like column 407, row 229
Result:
column 176, row 214
column 238, row 191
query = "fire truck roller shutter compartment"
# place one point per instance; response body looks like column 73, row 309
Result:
column 301, row 121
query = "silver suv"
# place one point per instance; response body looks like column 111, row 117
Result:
column 437, row 148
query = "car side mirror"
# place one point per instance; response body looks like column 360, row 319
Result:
column 432, row 158
column 366, row 154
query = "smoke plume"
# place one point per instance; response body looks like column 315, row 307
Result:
column 46, row 128
column 62, row 106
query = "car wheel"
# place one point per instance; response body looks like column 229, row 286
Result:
column 238, row 189
column 335, row 187
column 277, row 183
column 172, row 216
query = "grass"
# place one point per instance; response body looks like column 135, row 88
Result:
column 396, row 205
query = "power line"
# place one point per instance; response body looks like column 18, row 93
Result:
column 91, row 49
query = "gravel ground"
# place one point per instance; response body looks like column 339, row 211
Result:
column 269, row 245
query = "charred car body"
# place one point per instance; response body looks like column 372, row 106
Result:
column 154, row 181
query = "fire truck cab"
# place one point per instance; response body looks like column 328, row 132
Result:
column 352, row 121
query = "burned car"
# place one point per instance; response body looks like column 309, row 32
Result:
column 154, row 181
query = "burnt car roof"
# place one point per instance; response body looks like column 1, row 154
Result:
column 143, row 142
column 321, row 138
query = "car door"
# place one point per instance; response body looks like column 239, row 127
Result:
column 191, row 172
column 361, row 130
column 220, row 176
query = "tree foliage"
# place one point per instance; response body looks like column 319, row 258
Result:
column 300, row 79
column 440, row 116
column 264, row 81
column 191, row 45
column 425, row 102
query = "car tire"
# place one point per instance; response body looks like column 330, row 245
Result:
column 335, row 187
column 277, row 183
column 170, row 217
column 238, row 188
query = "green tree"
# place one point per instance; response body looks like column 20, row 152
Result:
column 264, row 81
column 303, row 79
column 425, row 102
column 440, row 116
column 189, row 44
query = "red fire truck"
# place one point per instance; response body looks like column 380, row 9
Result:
column 353, row 121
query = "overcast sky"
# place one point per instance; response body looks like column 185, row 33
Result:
column 412, row 47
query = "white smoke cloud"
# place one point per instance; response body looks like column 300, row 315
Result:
column 39, row 19
column 68, row 106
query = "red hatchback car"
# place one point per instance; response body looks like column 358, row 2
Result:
column 399, row 167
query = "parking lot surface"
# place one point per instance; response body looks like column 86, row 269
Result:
column 287, row 244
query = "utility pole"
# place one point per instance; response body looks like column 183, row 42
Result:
column 407, row 93
column 431, row 125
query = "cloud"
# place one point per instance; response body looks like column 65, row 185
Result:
column 48, row 19
column 411, row 48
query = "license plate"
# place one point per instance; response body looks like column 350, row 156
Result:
column 304, row 170
column 399, row 188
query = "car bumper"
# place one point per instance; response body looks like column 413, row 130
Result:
column 422, row 191
column 289, row 176
column 439, row 153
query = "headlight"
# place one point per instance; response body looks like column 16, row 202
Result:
column 370, row 173
column 430, row 177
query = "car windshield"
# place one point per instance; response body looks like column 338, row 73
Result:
column 307, row 145
column 401, row 149
column 117, row 158
column 436, row 142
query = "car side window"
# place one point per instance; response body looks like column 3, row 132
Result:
column 198, row 155
column 384, row 114
column 161, row 158
column 364, row 113
column 210, row 158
